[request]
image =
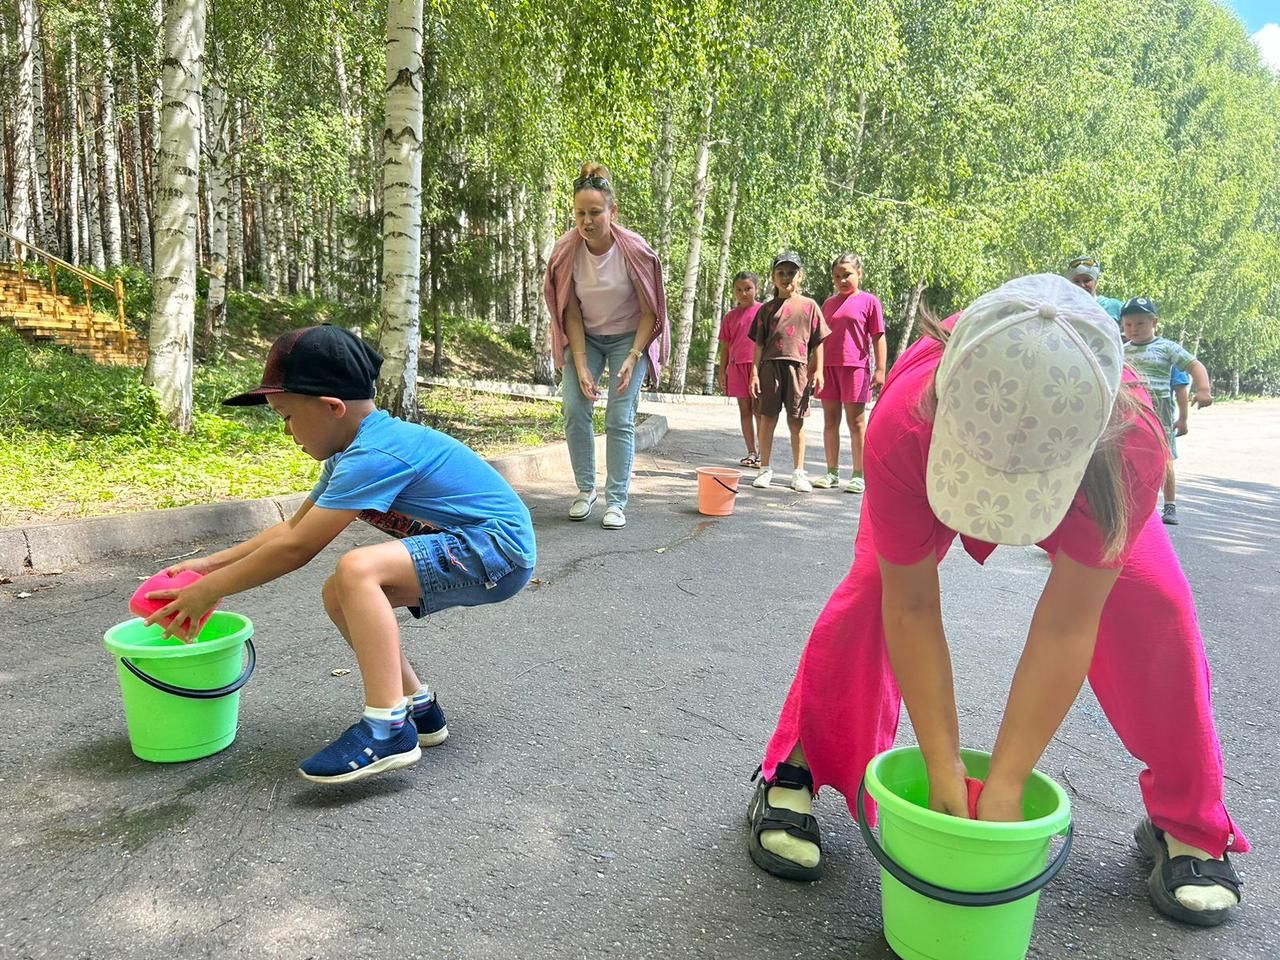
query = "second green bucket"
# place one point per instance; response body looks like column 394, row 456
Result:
column 181, row 700
column 957, row 889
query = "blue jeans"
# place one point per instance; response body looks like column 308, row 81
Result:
column 454, row 573
column 620, row 416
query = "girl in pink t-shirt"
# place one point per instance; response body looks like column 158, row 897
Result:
column 737, row 350
column 856, row 319
column 959, row 445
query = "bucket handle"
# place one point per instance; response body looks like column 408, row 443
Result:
column 191, row 694
column 732, row 490
column 957, row 898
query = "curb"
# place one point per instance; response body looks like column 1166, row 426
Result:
column 539, row 391
column 51, row 547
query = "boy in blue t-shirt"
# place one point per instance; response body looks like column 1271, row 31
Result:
column 464, row 539
column 1156, row 359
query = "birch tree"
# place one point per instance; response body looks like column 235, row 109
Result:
column 219, row 169
column 693, row 255
column 47, row 214
column 20, row 171
column 399, row 332
column 722, row 279
column 111, row 230
column 169, row 365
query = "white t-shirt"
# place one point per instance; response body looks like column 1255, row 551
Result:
column 609, row 302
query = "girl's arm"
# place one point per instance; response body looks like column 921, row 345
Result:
column 815, row 368
column 722, row 357
column 1050, row 672
column 577, row 334
column 882, row 362
column 912, row 609
column 754, row 389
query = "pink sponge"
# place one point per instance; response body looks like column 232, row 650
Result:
column 142, row 607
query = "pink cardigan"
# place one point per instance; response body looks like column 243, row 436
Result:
column 646, row 273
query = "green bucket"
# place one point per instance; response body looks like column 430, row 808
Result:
column 956, row 889
column 181, row 700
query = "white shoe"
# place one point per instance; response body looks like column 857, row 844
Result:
column 580, row 509
column 856, row 485
column 614, row 518
column 800, row 482
column 827, row 481
column 763, row 478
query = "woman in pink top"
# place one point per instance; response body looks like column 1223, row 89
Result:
column 1018, row 430
column 856, row 319
column 605, row 295
column 737, row 351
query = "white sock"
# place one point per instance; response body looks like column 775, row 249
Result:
column 1193, row 897
column 420, row 698
column 386, row 722
column 780, row 842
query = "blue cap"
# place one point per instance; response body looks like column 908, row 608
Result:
column 1139, row 305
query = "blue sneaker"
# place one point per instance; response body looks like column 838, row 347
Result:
column 357, row 754
column 429, row 721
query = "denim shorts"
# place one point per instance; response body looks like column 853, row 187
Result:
column 452, row 574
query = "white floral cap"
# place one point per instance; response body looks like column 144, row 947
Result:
column 1025, row 389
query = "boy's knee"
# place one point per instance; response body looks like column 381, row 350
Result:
column 353, row 568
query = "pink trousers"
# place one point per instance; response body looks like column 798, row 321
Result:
column 1149, row 674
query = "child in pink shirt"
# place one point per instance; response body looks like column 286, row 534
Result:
column 736, row 353
column 955, row 448
column 856, row 319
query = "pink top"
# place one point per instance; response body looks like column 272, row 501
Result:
column 735, row 331
column 646, row 273
column 854, row 320
column 903, row 526
column 605, row 292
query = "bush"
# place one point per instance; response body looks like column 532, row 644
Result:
column 519, row 338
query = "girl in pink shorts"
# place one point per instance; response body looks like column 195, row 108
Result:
column 856, row 319
column 736, row 353
column 1015, row 423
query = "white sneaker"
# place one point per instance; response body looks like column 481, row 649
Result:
column 580, row 509
column 763, row 478
column 856, row 485
column 614, row 518
column 800, row 482
column 827, row 481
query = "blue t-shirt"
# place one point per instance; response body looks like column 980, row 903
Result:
column 1178, row 378
column 407, row 479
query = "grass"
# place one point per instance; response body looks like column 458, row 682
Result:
column 79, row 440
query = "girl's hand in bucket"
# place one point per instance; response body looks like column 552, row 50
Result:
column 184, row 614
column 948, row 793
column 625, row 372
column 999, row 804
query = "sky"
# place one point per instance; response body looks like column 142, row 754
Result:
column 1262, row 20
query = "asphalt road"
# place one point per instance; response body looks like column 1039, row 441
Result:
column 591, row 799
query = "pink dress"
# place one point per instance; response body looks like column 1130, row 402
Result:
column 734, row 334
column 1149, row 670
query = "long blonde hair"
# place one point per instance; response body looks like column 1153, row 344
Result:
column 1104, row 482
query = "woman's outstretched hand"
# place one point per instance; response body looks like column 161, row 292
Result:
column 626, row 372
column 587, row 383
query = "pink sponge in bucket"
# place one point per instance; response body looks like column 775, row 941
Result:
column 142, row 607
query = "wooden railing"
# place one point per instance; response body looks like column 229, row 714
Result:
column 21, row 247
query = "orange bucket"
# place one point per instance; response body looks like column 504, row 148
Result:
column 717, row 489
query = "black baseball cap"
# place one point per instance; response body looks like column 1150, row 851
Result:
column 323, row 361
column 1139, row 305
column 787, row 256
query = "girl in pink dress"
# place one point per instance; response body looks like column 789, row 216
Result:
column 736, row 353
column 1012, row 427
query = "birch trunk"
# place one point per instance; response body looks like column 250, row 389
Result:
column 77, row 232
column 215, row 314
column 529, row 266
column 266, row 249
column 909, row 318
column 139, row 181
column 93, row 207
column 47, row 213
column 693, row 259
column 722, row 280
column 111, row 232
column 235, row 212
column 398, row 332
column 169, row 366
column 20, row 171
column 355, row 205
column 544, row 368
